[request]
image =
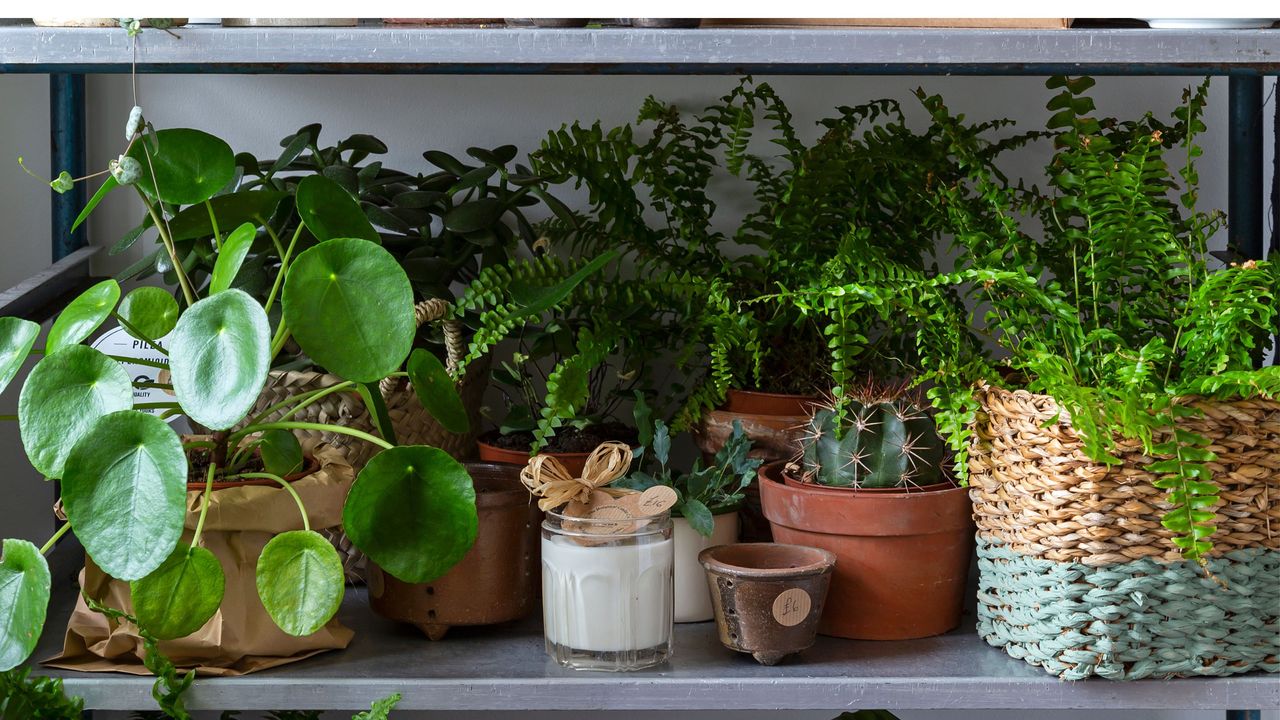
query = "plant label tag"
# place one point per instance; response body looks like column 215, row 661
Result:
column 657, row 500
column 791, row 607
column 119, row 343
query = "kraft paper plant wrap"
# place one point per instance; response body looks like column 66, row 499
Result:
column 1078, row 576
column 240, row 638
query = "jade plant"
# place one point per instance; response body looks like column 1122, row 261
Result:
column 702, row 491
column 884, row 441
column 124, row 473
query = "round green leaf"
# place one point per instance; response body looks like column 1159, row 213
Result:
column 180, row 596
column 281, row 453
column 412, row 510
column 16, row 338
column 24, row 600
column 330, row 212
column 219, row 355
column 64, row 394
column 189, row 166
column 84, row 315
column 350, row 307
column 300, row 581
column 231, row 257
column 125, row 491
column 437, row 391
column 150, row 310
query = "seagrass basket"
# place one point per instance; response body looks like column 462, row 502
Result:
column 1078, row 576
column 412, row 423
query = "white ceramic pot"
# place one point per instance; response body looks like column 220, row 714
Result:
column 693, row 596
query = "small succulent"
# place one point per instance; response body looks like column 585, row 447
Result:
column 885, row 440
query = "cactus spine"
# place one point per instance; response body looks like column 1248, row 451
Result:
column 882, row 443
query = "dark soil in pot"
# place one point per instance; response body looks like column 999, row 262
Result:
column 570, row 445
column 768, row 598
column 198, row 461
column 495, row 582
column 902, row 557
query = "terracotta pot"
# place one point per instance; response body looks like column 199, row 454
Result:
column 494, row 582
column 573, row 462
column 664, row 23
column 693, row 601
column 902, row 557
column 774, row 422
column 767, row 597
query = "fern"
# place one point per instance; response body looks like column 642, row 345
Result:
column 169, row 686
column 23, row 697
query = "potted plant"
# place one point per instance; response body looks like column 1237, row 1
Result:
column 1124, row 444
column 411, row 508
column 870, row 487
column 706, row 512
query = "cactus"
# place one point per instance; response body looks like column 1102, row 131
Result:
column 882, row 443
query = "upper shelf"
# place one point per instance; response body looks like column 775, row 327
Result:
column 376, row 49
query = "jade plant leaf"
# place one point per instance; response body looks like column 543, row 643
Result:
column 330, row 212
column 16, row 338
column 189, row 167
column 180, row 596
column 125, row 491
column 149, row 310
column 234, row 250
column 300, row 581
column 350, row 307
column 246, row 206
column 219, row 355
column 83, row 315
column 412, row 510
column 437, row 392
column 64, row 394
column 24, row 600
column 281, row 452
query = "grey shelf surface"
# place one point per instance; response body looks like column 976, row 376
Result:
column 376, row 49
column 505, row 668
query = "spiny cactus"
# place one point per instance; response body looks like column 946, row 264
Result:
column 886, row 442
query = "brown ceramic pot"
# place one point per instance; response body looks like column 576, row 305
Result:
column 774, row 422
column 493, row 583
column 573, row 462
column 902, row 558
column 767, row 598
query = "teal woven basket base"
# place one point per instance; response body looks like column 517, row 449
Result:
column 1133, row 620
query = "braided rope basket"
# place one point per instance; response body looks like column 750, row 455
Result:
column 1078, row 576
column 413, row 424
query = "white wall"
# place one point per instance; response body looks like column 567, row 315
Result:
column 413, row 114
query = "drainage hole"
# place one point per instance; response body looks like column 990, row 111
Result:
column 431, row 590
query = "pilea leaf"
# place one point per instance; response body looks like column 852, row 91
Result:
column 83, row 315
column 125, row 491
column 281, row 453
column 412, row 510
column 300, row 581
column 24, row 601
column 219, row 355
column 180, row 596
column 16, row 338
column 150, row 310
column 62, row 397
column 189, row 167
column 234, row 250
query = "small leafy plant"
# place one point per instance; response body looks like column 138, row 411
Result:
column 124, row 473
column 703, row 491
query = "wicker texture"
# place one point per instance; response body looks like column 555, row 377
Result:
column 1076, row 573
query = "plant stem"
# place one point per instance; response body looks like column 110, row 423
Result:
column 198, row 444
column 284, row 269
column 165, row 238
column 140, row 361
column 157, row 406
column 154, row 386
column 282, row 337
column 321, row 427
column 347, row 385
column 306, row 524
column 133, row 330
column 44, row 550
column 217, row 237
column 204, row 505
column 8, row 417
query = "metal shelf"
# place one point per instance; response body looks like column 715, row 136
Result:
column 381, row 50
column 505, row 668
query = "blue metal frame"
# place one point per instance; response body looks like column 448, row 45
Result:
column 67, row 152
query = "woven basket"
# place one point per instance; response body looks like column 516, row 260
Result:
column 412, row 423
column 1078, row 576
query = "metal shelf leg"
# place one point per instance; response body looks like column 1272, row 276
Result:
column 67, row 152
column 1244, row 715
column 1244, row 185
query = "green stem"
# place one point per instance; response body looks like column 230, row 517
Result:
column 320, row 427
column 134, row 331
column 44, row 550
column 157, row 406
column 204, row 505
column 306, row 524
column 199, row 444
column 153, row 386
column 140, row 361
column 217, row 237
column 282, row 337
column 284, row 268
column 188, row 292
column 8, row 417
column 315, row 397
column 275, row 239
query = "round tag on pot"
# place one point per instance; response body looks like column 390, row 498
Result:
column 791, row 607
column 121, row 344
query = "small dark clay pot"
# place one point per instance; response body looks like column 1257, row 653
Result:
column 768, row 598
column 496, row 581
column 574, row 462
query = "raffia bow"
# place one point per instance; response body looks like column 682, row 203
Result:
column 547, row 478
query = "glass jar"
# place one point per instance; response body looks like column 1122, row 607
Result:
column 607, row 595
